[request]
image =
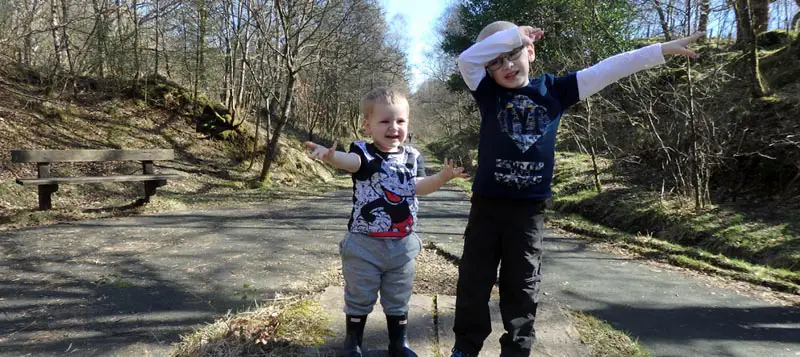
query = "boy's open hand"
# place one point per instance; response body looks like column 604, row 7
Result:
column 679, row 46
column 320, row 152
column 451, row 172
column 530, row 34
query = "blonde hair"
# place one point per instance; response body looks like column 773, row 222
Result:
column 493, row 28
column 382, row 95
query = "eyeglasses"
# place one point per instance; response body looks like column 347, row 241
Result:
column 498, row 62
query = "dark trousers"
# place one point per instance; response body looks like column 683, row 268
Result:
column 507, row 231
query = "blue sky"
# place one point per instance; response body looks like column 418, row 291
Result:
column 420, row 17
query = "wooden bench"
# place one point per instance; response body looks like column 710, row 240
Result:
column 47, row 184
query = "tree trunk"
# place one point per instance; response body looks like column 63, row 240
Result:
column 662, row 18
column 276, row 134
column 695, row 172
column 671, row 15
column 27, row 41
column 136, row 67
column 201, row 35
column 245, row 56
column 65, row 35
column 261, row 112
column 742, row 36
column 687, row 21
column 158, row 15
column 185, row 53
column 229, row 68
column 273, row 106
column 744, row 16
column 165, row 53
column 27, row 48
column 759, row 15
column 102, row 25
column 56, row 37
column 240, row 102
column 595, row 169
column 705, row 9
column 119, row 69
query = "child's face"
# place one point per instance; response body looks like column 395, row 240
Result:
column 388, row 125
column 511, row 69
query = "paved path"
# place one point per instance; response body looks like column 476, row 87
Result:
column 671, row 314
column 430, row 333
column 130, row 286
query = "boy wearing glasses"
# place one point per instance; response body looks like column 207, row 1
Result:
column 519, row 120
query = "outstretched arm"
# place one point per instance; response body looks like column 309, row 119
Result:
column 349, row 162
column 430, row 184
column 593, row 79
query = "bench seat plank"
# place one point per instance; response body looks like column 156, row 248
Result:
column 89, row 179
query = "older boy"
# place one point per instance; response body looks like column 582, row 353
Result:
column 519, row 120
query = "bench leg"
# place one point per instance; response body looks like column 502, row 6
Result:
column 45, row 194
column 150, row 188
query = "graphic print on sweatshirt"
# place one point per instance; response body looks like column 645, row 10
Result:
column 524, row 122
column 384, row 199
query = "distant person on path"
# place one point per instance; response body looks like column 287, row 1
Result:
column 519, row 120
column 379, row 249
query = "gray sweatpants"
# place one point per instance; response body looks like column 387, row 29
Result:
column 372, row 264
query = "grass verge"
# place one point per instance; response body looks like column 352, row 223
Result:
column 682, row 256
column 281, row 329
column 727, row 241
column 760, row 234
column 604, row 340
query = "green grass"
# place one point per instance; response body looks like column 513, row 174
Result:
column 464, row 184
column 604, row 340
column 752, row 234
column 275, row 330
column 683, row 256
column 434, row 162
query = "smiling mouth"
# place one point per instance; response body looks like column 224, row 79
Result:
column 511, row 75
column 394, row 137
